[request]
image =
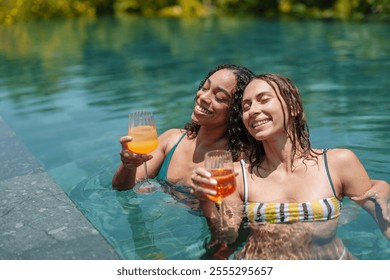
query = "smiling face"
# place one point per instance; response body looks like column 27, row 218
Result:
column 263, row 110
column 271, row 111
column 213, row 99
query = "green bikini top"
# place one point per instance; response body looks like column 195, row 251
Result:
column 162, row 174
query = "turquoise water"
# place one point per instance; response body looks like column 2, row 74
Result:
column 66, row 88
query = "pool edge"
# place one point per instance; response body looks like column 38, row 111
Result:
column 38, row 221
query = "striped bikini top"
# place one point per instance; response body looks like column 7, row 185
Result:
column 319, row 210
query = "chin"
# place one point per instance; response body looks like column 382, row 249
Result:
column 194, row 119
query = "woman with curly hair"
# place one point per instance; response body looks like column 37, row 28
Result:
column 181, row 150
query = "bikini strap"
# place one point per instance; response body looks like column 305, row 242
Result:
column 162, row 174
column 328, row 174
column 242, row 162
column 184, row 134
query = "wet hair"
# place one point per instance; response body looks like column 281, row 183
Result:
column 296, row 125
column 243, row 77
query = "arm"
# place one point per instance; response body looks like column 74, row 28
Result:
column 130, row 169
column 223, row 239
column 355, row 182
column 380, row 191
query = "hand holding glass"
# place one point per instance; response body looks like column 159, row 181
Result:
column 220, row 164
column 143, row 131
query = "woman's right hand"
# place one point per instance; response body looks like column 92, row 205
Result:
column 222, row 245
column 129, row 159
column 201, row 176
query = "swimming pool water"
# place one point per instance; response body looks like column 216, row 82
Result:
column 66, row 88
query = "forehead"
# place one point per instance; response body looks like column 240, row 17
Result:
column 257, row 86
column 223, row 78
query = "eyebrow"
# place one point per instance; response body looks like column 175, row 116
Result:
column 257, row 95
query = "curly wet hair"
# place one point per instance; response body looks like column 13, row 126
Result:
column 296, row 126
column 243, row 77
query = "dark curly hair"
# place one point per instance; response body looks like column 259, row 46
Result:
column 296, row 127
column 243, row 77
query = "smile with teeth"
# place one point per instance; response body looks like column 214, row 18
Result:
column 203, row 110
column 258, row 123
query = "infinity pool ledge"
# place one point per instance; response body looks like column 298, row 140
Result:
column 37, row 219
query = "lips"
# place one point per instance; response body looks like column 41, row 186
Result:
column 202, row 110
column 260, row 122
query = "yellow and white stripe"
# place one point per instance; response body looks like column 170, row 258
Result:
column 321, row 210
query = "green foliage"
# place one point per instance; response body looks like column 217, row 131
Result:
column 21, row 10
column 170, row 8
column 335, row 9
column 143, row 7
column 250, row 7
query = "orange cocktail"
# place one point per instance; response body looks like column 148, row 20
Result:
column 226, row 184
column 144, row 139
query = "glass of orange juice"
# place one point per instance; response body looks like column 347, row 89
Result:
column 142, row 129
column 220, row 164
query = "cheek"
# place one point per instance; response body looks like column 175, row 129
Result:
column 245, row 120
column 222, row 108
column 221, row 113
column 198, row 94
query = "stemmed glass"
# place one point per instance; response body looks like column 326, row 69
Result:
column 220, row 164
column 143, row 130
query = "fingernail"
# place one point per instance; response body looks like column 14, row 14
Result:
column 213, row 192
column 213, row 182
column 208, row 174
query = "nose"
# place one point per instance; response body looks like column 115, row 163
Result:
column 204, row 96
column 254, row 110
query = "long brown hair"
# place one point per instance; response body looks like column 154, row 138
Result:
column 296, row 125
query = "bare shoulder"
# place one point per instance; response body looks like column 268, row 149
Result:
column 341, row 161
column 350, row 172
column 170, row 137
column 341, row 157
column 173, row 133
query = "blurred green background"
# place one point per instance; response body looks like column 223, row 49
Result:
column 12, row 11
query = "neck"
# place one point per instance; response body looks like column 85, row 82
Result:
column 211, row 139
column 278, row 153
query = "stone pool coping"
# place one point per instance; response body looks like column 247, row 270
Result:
column 38, row 221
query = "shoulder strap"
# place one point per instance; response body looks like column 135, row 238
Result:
column 328, row 174
column 245, row 181
column 162, row 174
